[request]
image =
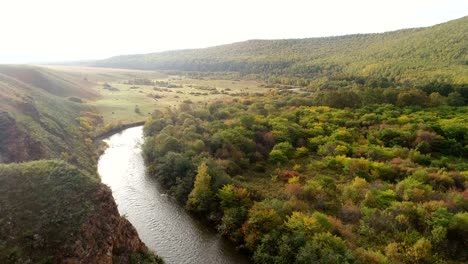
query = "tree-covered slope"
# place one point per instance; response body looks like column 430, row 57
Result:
column 437, row 53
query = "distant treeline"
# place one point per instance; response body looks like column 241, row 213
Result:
column 401, row 58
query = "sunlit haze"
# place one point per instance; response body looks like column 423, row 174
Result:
column 57, row 30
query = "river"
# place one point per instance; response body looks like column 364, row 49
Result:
column 162, row 224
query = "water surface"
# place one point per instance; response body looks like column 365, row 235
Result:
column 163, row 224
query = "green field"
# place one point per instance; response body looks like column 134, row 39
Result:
column 120, row 105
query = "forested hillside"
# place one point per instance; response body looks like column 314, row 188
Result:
column 400, row 58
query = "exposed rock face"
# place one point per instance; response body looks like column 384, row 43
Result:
column 105, row 237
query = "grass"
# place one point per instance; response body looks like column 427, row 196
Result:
column 119, row 105
column 42, row 114
column 42, row 205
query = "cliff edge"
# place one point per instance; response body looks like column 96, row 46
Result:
column 51, row 212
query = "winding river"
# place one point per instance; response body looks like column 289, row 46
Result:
column 161, row 222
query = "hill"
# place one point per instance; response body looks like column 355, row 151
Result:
column 410, row 56
column 54, row 111
column 38, row 115
column 52, row 212
column 49, row 80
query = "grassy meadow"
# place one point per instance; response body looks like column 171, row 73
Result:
column 128, row 103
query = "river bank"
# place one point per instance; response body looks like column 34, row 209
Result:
column 116, row 129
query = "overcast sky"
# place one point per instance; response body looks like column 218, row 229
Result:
column 63, row 30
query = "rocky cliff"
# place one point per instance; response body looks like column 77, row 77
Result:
column 105, row 237
column 52, row 212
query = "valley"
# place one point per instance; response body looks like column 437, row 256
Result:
column 54, row 112
column 347, row 149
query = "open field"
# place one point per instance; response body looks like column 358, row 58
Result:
column 121, row 101
column 127, row 96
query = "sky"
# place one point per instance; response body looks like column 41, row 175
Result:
column 33, row 31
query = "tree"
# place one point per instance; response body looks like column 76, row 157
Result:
column 325, row 248
column 411, row 189
column 412, row 97
column 278, row 157
column 286, row 148
column 153, row 126
column 308, row 225
column 235, row 203
column 420, row 251
column 380, row 199
column 247, row 120
column 458, row 233
column 262, row 219
column 201, row 196
column 137, row 109
column 436, row 99
column 169, row 144
column 170, row 168
column 455, row 99
column 339, row 99
column 231, row 196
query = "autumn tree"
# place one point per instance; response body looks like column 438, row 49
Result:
column 201, row 196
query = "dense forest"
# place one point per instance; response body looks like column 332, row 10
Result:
column 348, row 176
column 409, row 57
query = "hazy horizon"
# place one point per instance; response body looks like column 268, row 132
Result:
column 54, row 31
